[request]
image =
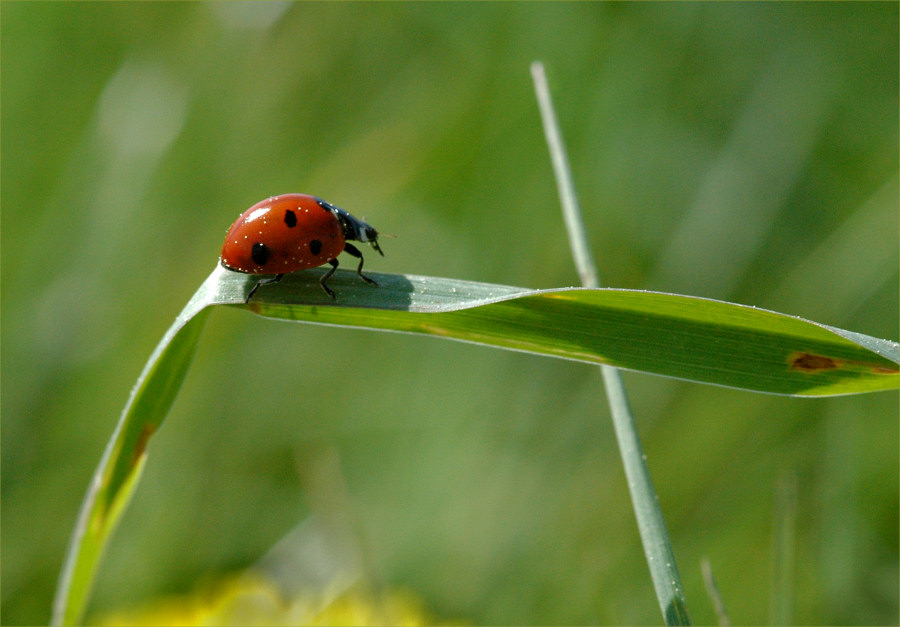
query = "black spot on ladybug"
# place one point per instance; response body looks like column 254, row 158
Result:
column 315, row 247
column 290, row 218
column 260, row 254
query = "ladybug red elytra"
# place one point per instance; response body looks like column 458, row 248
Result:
column 292, row 232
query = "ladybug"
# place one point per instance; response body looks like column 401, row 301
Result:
column 291, row 232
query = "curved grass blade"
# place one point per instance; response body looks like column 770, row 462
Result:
column 637, row 330
column 685, row 337
column 120, row 468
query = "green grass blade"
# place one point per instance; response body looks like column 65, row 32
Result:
column 568, row 199
column 651, row 524
column 658, row 549
column 784, row 540
column 712, row 590
column 120, row 468
column 620, row 327
column 696, row 339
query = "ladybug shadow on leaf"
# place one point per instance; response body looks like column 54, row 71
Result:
column 380, row 291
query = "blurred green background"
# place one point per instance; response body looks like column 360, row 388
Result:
column 745, row 152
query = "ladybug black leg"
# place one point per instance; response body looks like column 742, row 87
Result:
column 352, row 250
column 326, row 276
column 274, row 279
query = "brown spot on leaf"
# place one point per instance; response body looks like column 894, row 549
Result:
column 141, row 444
column 807, row 362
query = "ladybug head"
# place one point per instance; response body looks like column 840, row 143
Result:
column 353, row 228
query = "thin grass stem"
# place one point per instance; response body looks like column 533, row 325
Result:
column 655, row 538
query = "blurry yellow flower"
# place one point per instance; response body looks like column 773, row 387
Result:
column 254, row 600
